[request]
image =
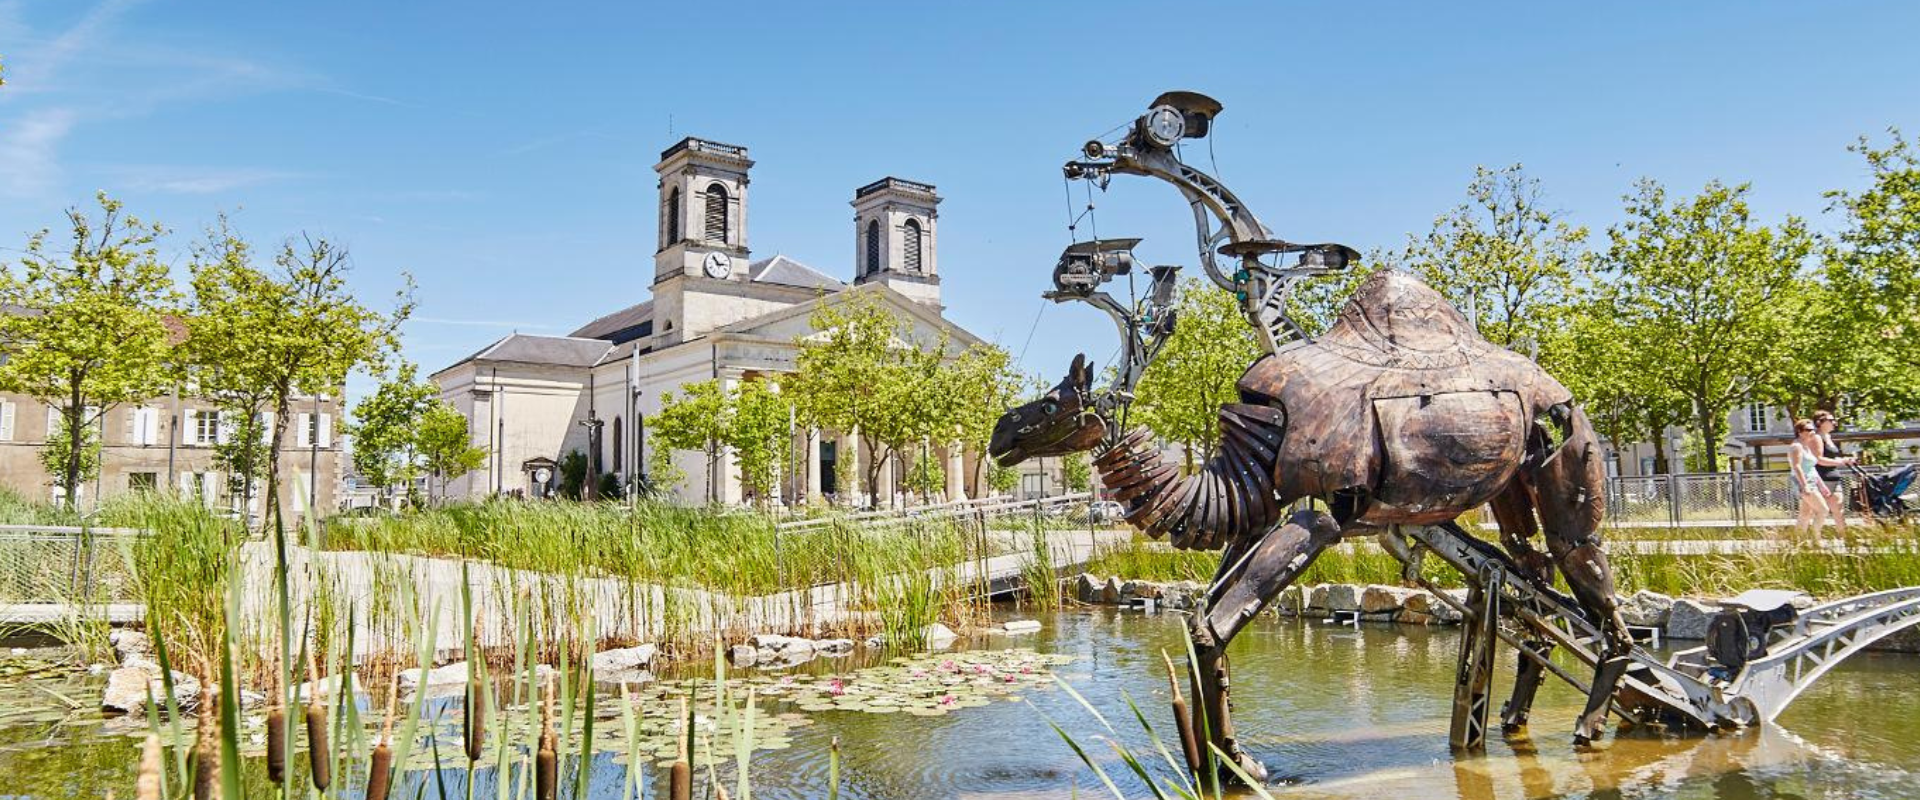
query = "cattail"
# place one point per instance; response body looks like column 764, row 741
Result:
column 1189, row 742
column 680, row 776
column 319, row 755
column 546, row 763
column 833, row 769
column 276, row 744
column 206, row 756
column 380, row 771
column 318, row 752
column 148, row 788
column 476, row 720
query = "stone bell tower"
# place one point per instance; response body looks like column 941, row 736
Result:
column 703, row 237
column 894, row 230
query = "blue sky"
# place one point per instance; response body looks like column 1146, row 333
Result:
column 502, row 153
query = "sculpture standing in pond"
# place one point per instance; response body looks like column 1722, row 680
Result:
column 1399, row 414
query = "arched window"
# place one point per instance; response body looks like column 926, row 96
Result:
column 873, row 247
column 618, row 451
column 717, row 214
column 672, row 215
column 910, row 246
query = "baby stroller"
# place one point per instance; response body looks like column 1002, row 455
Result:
column 1886, row 494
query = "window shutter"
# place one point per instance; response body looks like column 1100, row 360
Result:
column 873, row 247
column 266, row 428
column 910, row 246
column 6, row 421
column 224, row 427
column 717, row 214
column 53, row 423
column 209, row 486
column 326, row 430
column 303, row 430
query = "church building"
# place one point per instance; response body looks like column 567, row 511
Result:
column 714, row 313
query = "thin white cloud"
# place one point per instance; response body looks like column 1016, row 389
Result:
column 193, row 180
column 29, row 151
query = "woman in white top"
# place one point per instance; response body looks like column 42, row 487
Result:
column 1805, row 460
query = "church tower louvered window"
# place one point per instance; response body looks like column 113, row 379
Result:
column 717, row 214
column 910, row 246
column 672, row 215
column 873, row 247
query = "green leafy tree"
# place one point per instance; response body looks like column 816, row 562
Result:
column 573, row 475
column 1180, row 395
column 694, row 419
column 241, row 451
column 1503, row 258
column 1704, row 293
column 57, row 455
column 385, row 429
column 1854, row 330
column 983, row 383
column 1003, row 479
column 759, row 427
column 1076, row 472
column 293, row 328
column 927, row 477
column 445, row 443
column 1594, row 355
column 88, row 331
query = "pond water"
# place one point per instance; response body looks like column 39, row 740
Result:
column 1332, row 712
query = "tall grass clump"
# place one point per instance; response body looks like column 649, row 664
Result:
column 182, row 567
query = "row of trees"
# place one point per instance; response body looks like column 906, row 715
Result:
column 863, row 372
column 1687, row 309
column 404, row 431
column 101, row 323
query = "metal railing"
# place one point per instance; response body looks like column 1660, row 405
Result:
column 54, row 564
column 1723, row 499
column 984, row 508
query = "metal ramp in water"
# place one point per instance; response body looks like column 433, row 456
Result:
column 1678, row 693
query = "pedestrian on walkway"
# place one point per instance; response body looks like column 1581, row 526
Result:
column 1804, row 459
column 1831, row 459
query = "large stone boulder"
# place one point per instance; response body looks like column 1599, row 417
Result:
column 1688, row 619
column 774, row 651
column 129, row 645
column 624, row 665
column 129, row 687
column 1086, row 588
column 1424, row 609
column 743, row 655
column 1182, row 594
column 1141, row 590
column 1110, row 593
column 833, row 647
column 1646, row 609
column 1017, row 627
column 1384, row 601
column 938, row 636
column 436, row 682
column 328, row 687
column 1330, row 597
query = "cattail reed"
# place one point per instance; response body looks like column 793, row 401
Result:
column 1189, row 742
column 206, row 753
column 680, row 776
column 833, row 769
column 380, row 771
column 476, row 719
column 319, row 754
column 546, row 779
column 148, row 787
column 276, row 744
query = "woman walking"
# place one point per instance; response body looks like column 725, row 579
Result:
column 1806, row 457
column 1830, row 459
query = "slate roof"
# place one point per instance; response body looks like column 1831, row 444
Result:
column 565, row 351
column 620, row 326
column 785, row 271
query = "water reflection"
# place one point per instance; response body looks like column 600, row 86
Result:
column 1333, row 712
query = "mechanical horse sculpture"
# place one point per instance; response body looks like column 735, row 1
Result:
column 1399, row 414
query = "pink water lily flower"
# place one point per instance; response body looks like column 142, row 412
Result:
column 947, row 699
column 836, row 688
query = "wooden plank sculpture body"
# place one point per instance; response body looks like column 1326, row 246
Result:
column 1399, row 414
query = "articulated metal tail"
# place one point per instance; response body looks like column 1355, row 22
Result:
column 1231, row 496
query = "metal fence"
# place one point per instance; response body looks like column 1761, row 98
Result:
column 982, row 509
column 1726, row 499
column 50, row 564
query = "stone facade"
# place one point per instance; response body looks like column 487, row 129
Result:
column 165, row 443
column 713, row 315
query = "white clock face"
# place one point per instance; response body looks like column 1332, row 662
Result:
column 541, row 475
column 717, row 265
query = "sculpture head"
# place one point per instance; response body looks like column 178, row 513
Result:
column 1058, row 423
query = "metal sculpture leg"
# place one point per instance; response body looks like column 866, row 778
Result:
column 1473, row 682
column 1568, row 492
column 1244, row 586
column 1526, row 683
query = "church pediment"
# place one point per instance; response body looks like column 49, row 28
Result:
column 797, row 323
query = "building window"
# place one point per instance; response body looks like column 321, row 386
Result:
column 616, row 444
column 873, row 247
column 142, row 481
column 206, row 427
column 717, row 214
column 1756, row 418
column 910, row 246
column 672, row 215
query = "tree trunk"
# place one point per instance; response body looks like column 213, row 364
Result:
column 1707, row 440
column 1660, row 463
column 75, row 429
column 281, row 404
